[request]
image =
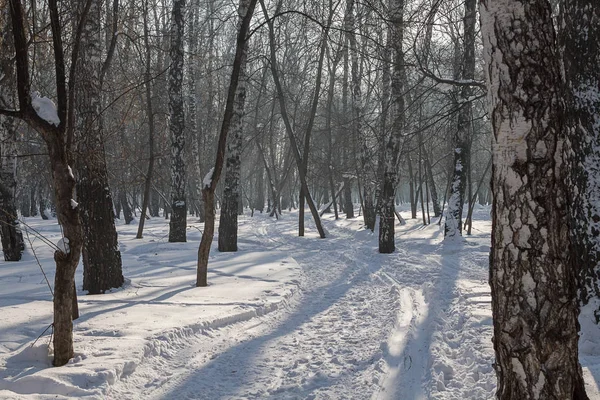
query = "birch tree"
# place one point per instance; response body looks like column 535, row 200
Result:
column 462, row 138
column 178, row 223
column 532, row 271
column 228, row 223
column 392, row 149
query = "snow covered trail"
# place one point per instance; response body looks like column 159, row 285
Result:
column 365, row 325
column 325, row 346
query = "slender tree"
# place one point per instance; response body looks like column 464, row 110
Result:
column 245, row 10
column 12, row 237
column 392, row 150
column 178, row 223
column 228, row 222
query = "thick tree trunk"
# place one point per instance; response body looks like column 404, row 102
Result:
column 580, row 42
column 532, row 269
column 178, row 223
column 102, row 269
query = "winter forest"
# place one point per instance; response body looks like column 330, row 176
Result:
column 283, row 199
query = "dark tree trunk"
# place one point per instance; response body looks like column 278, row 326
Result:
column 127, row 214
column 580, row 42
column 12, row 237
column 150, row 116
column 532, row 269
column 178, row 222
column 245, row 11
column 102, row 269
column 32, row 204
column 431, row 185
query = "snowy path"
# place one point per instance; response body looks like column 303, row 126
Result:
column 364, row 326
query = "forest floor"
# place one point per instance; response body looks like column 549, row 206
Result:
column 285, row 317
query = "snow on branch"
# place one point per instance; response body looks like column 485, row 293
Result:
column 45, row 108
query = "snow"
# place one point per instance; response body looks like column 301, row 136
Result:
column 208, row 178
column 74, row 204
column 63, row 245
column 45, row 108
column 285, row 317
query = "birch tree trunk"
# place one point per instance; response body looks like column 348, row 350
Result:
column 369, row 212
column 178, row 222
column 392, row 150
column 102, row 266
column 228, row 223
column 580, row 45
column 462, row 139
column 532, row 271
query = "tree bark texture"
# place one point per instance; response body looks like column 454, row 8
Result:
column 178, row 222
column 462, row 139
column 392, row 149
column 102, row 267
column 532, row 271
column 12, row 237
column 580, row 45
column 228, row 222
column 358, row 130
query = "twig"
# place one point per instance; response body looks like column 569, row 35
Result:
column 38, row 262
column 42, row 334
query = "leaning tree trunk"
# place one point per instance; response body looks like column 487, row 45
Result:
column 102, row 268
column 12, row 237
column 178, row 223
column 288, row 126
column 245, row 11
column 228, row 222
column 150, row 116
column 462, row 138
column 580, row 42
column 532, row 270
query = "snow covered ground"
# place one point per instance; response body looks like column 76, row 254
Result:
column 284, row 318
